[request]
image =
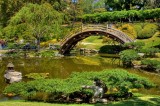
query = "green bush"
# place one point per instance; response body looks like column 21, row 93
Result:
column 13, row 46
column 122, row 15
column 151, row 64
column 110, row 49
column 127, row 56
column 129, row 30
column 148, row 31
column 47, row 53
column 134, row 45
column 150, row 52
column 50, row 89
column 138, row 28
column 37, row 75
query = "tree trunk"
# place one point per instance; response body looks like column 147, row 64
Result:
column 38, row 43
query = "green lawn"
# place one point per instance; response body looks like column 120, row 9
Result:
column 153, row 41
column 137, row 100
column 23, row 103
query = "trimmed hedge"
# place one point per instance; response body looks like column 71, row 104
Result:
column 111, row 49
column 135, row 15
column 129, row 30
column 147, row 32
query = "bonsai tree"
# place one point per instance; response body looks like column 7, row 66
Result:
column 127, row 56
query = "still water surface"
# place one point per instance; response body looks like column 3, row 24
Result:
column 63, row 67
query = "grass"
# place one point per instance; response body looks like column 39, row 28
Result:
column 3, row 51
column 23, row 103
column 137, row 100
column 92, row 42
column 153, row 41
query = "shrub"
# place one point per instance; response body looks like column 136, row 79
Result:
column 13, row 46
column 151, row 64
column 47, row 53
column 150, row 52
column 138, row 28
column 129, row 30
column 148, row 31
column 46, row 44
column 110, row 49
column 122, row 15
column 134, row 45
column 127, row 56
column 37, row 75
column 53, row 89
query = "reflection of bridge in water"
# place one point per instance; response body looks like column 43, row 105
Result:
column 88, row 30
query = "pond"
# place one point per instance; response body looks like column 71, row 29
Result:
column 62, row 67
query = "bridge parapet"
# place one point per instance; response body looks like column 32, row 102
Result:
column 76, row 30
column 93, row 27
column 80, row 33
column 119, row 34
column 107, row 29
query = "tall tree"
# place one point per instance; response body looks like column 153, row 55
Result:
column 38, row 21
column 152, row 4
column 9, row 7
column 130, row 4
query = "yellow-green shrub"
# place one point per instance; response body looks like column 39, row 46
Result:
column 138, row 28
column 46, row 44
column 148, row 31
column 129, row 30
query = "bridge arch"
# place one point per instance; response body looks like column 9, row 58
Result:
column 69, row 42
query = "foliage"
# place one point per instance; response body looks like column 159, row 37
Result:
column 122, row 15
column 46, row 44
column 15, row 88
column 151, row 64
column 37, row 75
column 129, row 4
column 150, row 52
column 33, row 21
column 134, row 45
column 116, row 78
column 151, row 42
column 129, row 30
column 127, row 56
column 110, row 49
column 148, row 31
column 8, row 8
column 138, row 28
column 46, row 53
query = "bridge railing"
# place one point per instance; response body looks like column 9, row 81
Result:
column 93, row 27
column 83, row 28
column 101, row 27
column 119, row 34
column 106, row 28
column 76, row 30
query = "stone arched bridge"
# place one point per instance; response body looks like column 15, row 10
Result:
column 83, row 32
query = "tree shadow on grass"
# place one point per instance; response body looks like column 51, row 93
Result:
column 154, row 101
